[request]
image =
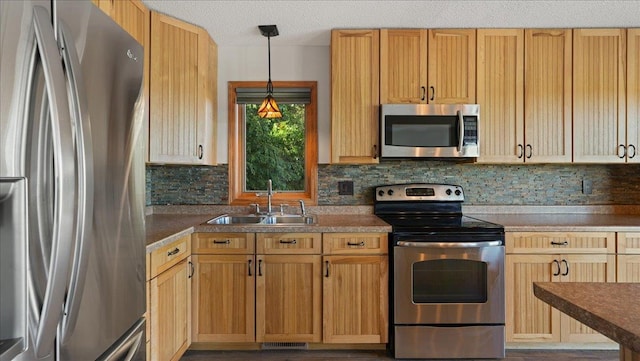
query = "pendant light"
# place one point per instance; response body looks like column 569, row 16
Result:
column 269, row 108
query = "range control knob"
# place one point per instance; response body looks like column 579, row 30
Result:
column 390, row 192
column 457, row 192
column 448, row 191
column 381, row 193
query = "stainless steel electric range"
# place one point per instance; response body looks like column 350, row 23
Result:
column 447, row 281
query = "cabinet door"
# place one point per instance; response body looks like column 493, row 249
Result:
column 633, row 95
column 500, row 95
column 599, row 95
column 403, row 66
column 629, row 242
column 288, row 298
column 528, row 318
column 355, row 98
column 170, row 313
column 355, row 294
column 223, row 298
column 452, row 66
column 547, row 92
column 585, row 268
column 181, row 120
column 629, row 268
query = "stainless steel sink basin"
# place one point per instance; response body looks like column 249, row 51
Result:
column 236, row 219
column 263, row 220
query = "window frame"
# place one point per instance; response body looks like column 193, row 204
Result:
column 236, row 146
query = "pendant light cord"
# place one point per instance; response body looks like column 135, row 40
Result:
column 269, row 84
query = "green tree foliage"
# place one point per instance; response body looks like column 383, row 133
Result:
column 275, row 149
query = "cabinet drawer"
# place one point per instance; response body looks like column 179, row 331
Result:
column 629, row 242
column 560, row 242
column 286, row 243
column 223, row 243
column 164, row 258
column 355, row 243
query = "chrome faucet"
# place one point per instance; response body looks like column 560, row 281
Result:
column 303, row 211
column 269, row 194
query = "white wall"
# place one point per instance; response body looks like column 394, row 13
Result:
column 303, row 63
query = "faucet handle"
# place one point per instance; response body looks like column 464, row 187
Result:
column 282, row 208
column 256, row 207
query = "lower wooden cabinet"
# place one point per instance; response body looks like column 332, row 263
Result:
column 528, row 318
column 288, row 298
column 355, row 299
column 170, row 312
column 223, row 298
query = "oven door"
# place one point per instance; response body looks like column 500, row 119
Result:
column 449, row 283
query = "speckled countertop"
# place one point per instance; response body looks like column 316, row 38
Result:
column 165, row 228
column 165, row 224
column 609, row 308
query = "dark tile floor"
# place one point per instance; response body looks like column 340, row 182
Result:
column 318, row 355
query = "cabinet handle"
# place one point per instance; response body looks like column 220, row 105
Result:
column 192, row 269
column 356, row 244
column 200, row 151
column 565, row 243
column 259, row 267
column 530, row 148
column 249, row 262
column 424, row 93
column 566, row 264
column 226, row 241
column 631, row 146
column 375, row 151
column 293, row 241
column 433, row 92
column 624, row 151
column 555, row 261
column 520, row 151
column 171, row 253
column 327, row 267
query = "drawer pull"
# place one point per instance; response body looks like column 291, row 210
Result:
column 327, row 263
column 293, row 241
column 566, row 264
column 259, row 267
column 355, row 244
column 171, row 253
column 249, row 268
column 226, row 241
column 565, row 243
column 192, row 269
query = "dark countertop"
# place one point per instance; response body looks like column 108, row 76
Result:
column 166, row 228
column 612, row 309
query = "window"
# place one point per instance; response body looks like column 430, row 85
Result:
column 284, row 150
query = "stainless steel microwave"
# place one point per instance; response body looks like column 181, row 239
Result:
column 429, row 130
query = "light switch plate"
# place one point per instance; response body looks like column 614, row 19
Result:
column 345, row 188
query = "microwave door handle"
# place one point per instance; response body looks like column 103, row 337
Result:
column 460, row 130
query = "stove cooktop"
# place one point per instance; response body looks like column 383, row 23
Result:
column 438, row 223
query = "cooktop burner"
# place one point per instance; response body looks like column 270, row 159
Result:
column 423, row 223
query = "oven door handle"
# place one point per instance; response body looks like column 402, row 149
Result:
column 449, row 244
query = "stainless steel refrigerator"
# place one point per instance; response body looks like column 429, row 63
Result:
column 72, row 237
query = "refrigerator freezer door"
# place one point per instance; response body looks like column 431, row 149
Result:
column 112, row 300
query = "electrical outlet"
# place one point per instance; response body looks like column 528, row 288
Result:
column 587, row 186
column 345, row 188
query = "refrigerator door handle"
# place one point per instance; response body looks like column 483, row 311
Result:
column 84, row 168
column 62, row 141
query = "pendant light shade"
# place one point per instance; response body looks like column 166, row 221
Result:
column 269, row 107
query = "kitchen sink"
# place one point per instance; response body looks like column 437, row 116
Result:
column 263, row 220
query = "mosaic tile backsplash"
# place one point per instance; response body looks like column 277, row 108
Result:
column 484, row 184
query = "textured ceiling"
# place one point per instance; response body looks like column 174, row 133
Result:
column 300, row 22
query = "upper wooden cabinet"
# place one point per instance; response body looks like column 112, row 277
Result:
column 427, row 66
column 633, row 95
column 599, row 121
column 403, row 66
column 524, row 92
column 183, row 93
column 355, row 100
column 501, row 95
column 452, row 66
